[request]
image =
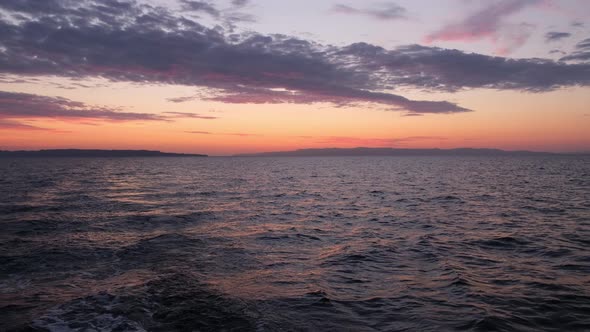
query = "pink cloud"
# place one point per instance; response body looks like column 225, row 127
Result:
column 511, row 38
column 488, row 23
column 189, row 115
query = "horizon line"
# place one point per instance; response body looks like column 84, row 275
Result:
column 262, row 153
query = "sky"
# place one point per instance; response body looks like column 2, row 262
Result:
column 239, row 76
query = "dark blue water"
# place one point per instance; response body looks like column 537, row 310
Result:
column 302, row 244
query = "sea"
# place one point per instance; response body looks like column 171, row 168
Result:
column 295, row 244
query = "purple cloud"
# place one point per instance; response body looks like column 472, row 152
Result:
column 28, row 106
column 385, row 11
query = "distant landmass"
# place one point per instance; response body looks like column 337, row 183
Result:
column 392, row 152
column 94, row 153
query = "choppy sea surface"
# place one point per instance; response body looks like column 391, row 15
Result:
column 295, row 244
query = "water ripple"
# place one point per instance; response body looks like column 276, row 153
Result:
column 295, row 244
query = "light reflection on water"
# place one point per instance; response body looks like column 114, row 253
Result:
column 315, row 243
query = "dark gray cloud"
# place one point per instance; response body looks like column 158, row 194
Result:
column 384, row 11
column 240, row 3
column 29, row 106
column 584, row 44
column 435, row 68
column 33, row 7
column 126, row 41
column 228, row 17
column 200, row 6
column 552, row 36
column 581, row 54
column 577, row 24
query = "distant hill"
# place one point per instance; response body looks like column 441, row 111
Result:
column 391, row 152
column 93, row 153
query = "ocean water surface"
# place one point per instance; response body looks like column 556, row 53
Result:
column 295, row 244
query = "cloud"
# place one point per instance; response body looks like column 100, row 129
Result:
column 577, row 24
column 512, row 37
column 16, row 125
column 147, row 44
column 29, row 106
column 220, row 134
column 181, row 99
column 229, row 17
column 200, row 6
column 189, row 115
column 577, row 56
column 584, row 44
column 441, row 69
column 240, row 3
column 552, row 36
column 488, row 23
column 385, row 11
column 582, row 52
column 199, row 132
column 337, row 95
